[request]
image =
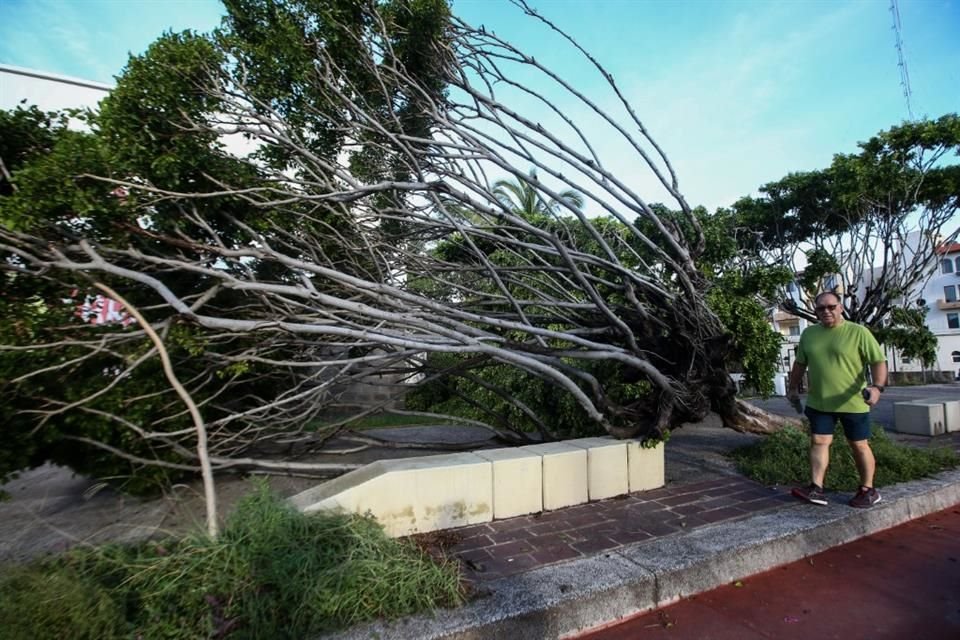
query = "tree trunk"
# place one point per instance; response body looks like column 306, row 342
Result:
column 746, row 418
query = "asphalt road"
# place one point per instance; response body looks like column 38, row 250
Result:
column 883, row 412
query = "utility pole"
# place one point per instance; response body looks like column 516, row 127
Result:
column 901, row 58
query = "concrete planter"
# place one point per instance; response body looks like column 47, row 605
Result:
column 416, row 495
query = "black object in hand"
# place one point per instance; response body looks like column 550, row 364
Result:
column 795, row 403
column 865, row 393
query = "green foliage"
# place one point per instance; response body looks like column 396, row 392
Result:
column 820, row 264
column 51, row 193
column 908, row 332
column 524, row 200
column 888, row 178
column 55, row 601
column 735, row 296
column 140, row 120
column 282, row 46
column 28, row 133
column 273, row 573
column 143, row 135
column 42, row 316
column 755, row 345
column 483, row 390
column 902, row 180
column 784, row 458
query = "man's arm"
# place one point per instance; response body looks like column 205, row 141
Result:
column 796, row 375
column 793, row 385
column 878, row 372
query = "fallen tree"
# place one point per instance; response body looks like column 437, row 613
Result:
column 281, row 279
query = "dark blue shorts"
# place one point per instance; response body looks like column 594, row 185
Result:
column 856, row 426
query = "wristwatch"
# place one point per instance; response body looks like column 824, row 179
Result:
column 878, row 387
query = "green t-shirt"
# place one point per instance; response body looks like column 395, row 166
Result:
column 836, row 359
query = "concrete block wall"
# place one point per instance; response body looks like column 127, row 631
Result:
column 607, row 470
column 411, row 495
column 951, row 415
column 564, row 474
column 645, row 466
column 517, row 481
column 919, row 417
column 416, row 495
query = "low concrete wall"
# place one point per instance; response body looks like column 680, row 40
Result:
column 927, row 417
column 919, row 377
column 416, row 495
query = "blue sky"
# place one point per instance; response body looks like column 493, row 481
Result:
column 739, row 93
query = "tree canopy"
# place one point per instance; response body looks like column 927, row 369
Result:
column 867, row 226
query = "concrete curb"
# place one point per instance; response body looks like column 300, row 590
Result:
column 566, row 599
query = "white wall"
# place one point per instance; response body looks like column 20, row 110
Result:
column 51, row 92
column 933, row 293
column 48, row 91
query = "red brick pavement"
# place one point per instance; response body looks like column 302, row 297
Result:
column 506, row 547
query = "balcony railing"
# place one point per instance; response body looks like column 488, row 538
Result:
column 943, row 305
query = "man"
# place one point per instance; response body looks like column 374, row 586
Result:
column 835, row 353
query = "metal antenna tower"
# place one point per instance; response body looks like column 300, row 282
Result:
column 901, row 59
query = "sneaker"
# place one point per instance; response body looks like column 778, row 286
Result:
column 865, row 498
column 812, row 493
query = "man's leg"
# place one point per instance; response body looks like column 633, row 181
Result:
column 856, row 426
column 821, row 435
column 819, row 457
column 866, row 464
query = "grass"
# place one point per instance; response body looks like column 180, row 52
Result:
column 783, row 458
column 273, row 573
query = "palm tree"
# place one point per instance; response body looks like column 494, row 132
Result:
column 525, row 200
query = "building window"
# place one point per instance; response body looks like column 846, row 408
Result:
column 958, row 264
column 794, row 329
column 906, row 359
column 950, row 293
column 956, row 356
column 946, row 265
column 953, row 320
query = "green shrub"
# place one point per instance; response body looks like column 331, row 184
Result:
column 554, row 405
column 273, row 573
column 56, row 602
column 783, row 458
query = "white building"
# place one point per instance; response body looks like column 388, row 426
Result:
column 48, row 91
column 942, row 297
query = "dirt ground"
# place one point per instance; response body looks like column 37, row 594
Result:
column 52, row 509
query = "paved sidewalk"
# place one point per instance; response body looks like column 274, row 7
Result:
column 507, row 547
column 559, row 573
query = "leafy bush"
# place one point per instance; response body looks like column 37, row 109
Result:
column 56, row 601
column 784, row 458
column 469, row 393
column 273, row 573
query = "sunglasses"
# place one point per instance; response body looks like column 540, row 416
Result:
column 825, row 307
